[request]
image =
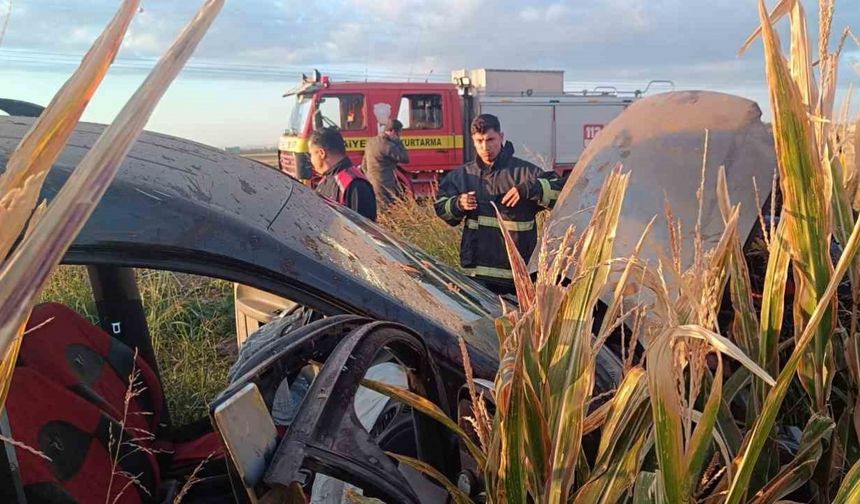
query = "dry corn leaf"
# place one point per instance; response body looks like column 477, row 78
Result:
column 778, row 12
column 849, row 490
column 428, row 408
column 26, row 271
column 29, row 163
column 756, row 438
column 456, row 494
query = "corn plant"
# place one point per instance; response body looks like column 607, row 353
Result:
column 701, row 418
column 44, row 232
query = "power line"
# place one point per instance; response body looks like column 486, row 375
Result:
column 285, row 74
column 290, row 73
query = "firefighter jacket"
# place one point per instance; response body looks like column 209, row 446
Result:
column 482, row 247
column 381, row 157
column 346, row 185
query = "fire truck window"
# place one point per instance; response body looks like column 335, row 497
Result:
column 345, row 112
column 403, row 113
column 421, row 111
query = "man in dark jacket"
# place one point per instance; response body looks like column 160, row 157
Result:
column 339, row 180
column 381, row 156
column 518, row 188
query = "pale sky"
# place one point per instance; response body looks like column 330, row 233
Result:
column 230, row 93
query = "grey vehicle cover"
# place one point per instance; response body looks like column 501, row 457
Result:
column 660, row 141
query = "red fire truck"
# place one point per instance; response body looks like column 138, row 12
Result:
column 547, row 125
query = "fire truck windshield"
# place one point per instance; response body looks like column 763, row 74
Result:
column 299, row 114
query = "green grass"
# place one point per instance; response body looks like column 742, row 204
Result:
column 193, row 332
column 415, row 222
column 70, row 286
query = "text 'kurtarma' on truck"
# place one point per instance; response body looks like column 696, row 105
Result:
column 546, row 124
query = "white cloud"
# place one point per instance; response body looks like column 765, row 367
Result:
column 553, row 12
column 83, row 35
column 530, row 14
column 383, row 10
column 138, row 42
column 692, row 40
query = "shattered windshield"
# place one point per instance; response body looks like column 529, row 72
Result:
column 299, row 114
column 461, row 305
column 339, row 238
column 449, row 286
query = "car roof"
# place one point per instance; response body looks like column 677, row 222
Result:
column 184, row 206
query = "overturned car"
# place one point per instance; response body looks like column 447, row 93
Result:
column 324, row 298
column 336, row 294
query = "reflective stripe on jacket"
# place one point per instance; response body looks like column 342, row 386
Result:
column 482, row 247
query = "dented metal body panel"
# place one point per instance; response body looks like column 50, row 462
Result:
column 660, row 140
column 184, row 206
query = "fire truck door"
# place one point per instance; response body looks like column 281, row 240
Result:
column 427, row 131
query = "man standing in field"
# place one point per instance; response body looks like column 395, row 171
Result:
column 381, row 156
column 339, row 180
column 518, row 188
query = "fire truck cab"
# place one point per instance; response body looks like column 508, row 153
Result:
column 547, row 125
column 430, row 113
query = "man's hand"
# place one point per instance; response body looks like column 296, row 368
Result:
column 467, row 201
column 511, row 198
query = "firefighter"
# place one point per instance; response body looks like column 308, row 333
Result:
column 518, row 188
column 381, row 157
column 339, row 180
